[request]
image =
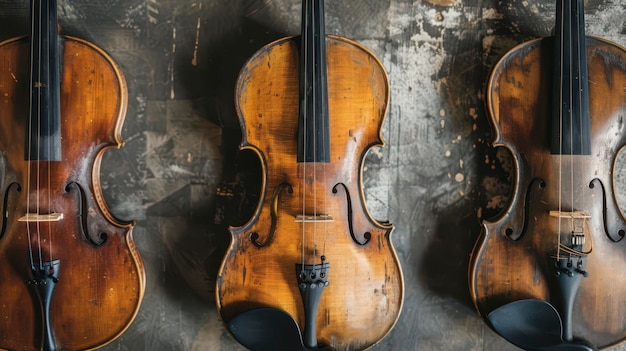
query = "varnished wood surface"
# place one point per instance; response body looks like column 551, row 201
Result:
column 100, row 286
column 364, row 298
column 504, row 270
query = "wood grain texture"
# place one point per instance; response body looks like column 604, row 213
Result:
column 364, row 298
column 100, row 286
column 515, row 265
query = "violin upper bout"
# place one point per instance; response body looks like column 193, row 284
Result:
column 94, row 94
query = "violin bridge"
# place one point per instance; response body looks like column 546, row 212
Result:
column 570, row 214
column 36, row 217
column 579, row 222
column 311, row 219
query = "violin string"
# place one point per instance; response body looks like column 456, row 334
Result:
column 313, row 109
column 304, row 56
column 38, row 167
column 560, row 186
column 316, row 116
column 325, row 118
column 51, row 32
column 581, row 47
column 29, row 140
column 585, row 94
column 573, row 37
column 325, row 128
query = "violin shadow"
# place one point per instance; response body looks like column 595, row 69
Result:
column 444, row 267
column 195, row 218
column 14, row 19
column 184, row 140
column 484, row 171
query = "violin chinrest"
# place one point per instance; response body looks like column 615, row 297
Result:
column 268, row 329
column 533, row 325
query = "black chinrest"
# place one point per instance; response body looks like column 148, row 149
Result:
column 534, row 325
column 268, row 329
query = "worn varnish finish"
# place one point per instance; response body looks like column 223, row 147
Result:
column 363, row 300
column 506, row 270
column 101, row 277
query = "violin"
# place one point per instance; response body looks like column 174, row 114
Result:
column 548, row 273
column 72, row 278
column 311, row 269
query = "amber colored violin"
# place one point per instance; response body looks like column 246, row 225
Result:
column 549, row 273
column 312, row 257
column 71, row 277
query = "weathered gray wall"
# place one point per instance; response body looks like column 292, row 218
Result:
column 435, row 178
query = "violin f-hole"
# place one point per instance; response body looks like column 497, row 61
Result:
column 5, row 203
column 535, row 184
column 82, row 216
column 254, row 236
column 367, row 236
column 618, row 232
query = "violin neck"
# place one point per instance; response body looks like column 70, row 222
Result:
column 570, row 121
column 313, row 126
column 43, row 134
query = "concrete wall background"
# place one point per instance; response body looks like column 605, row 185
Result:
column 181, row 178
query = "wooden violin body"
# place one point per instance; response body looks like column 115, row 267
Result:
column 557, row 198
column 363, row 297
column 84, row 281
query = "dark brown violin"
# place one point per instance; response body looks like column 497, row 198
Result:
column 549, row 273
column 312, row 257
column 71, row 277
